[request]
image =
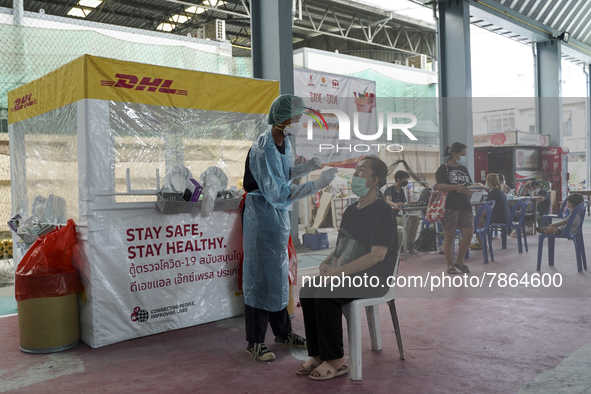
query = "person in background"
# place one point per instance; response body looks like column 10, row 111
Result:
column 503, row 185
column 556, row 228
column 394, row 196
column 543, row 203
column 266, row 226
column 501, row 209
column 453, row 178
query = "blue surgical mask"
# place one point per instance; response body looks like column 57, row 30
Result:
column 462, row 160
column 358, row 186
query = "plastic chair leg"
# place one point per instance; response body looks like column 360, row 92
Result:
column 394, row 315
column 484, row 247
column 490, row 248
column 425, row 224
column 354, row 327
column 519, row 244
column 578, row 254
column 582, row 249
column 540, row 251
column 503, row 237
column 525, row 238
column 373, row 324
column 551, row 242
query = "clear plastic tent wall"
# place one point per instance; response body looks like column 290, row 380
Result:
column 45, row 42
column 102, row 134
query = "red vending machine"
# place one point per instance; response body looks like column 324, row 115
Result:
column 480, row 165
column 555, row 170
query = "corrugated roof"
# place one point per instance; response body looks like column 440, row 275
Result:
column 341, row 19
column 573, row 16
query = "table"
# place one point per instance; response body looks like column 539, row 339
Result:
column 406, row 211
column 584, row 193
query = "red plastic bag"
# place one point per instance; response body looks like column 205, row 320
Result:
column 293, row 263
column 46, row 270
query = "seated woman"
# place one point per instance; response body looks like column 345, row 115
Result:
column 370, row 222
column 501, row 209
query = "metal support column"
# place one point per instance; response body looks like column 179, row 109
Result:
column 455, row 77
column 272, row 56
column 548, row 89
column 18, row 9
column 588, row 126
column 272, row 42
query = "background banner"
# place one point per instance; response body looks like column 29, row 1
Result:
column 351, row 95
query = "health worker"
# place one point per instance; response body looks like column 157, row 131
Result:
column 266, row 226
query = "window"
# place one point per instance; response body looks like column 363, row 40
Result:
column 495, row 126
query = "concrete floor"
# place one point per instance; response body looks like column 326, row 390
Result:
column 457, row 340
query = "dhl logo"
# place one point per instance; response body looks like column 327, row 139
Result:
column 23, row 102
column 151, row 85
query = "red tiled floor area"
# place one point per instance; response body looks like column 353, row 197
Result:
column 453, row 344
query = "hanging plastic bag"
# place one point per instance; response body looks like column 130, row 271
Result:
column 213, row 181
column 293, row 263
column 210, row 193
column 46, row 270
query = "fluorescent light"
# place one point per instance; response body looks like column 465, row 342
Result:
column 178, row 18
column 165, row 27
column 209, row 3
column 79, row 12
column 195, row 10
column 90, row 3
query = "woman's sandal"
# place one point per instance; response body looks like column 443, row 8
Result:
column 327, row 371
column 308, row 366
column 452, row 271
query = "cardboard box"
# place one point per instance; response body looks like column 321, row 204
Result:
column 48, row 324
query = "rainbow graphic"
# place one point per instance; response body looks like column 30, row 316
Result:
column 315, row 115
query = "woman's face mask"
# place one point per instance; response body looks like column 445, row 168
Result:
column 462, row 160
column 358, row 186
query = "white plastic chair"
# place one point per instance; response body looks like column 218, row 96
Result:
column 352, row 312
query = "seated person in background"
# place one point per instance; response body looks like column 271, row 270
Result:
column 543, row 203
column 504, row 188
column 556, row 228
column 501, row 209
column 395, row 197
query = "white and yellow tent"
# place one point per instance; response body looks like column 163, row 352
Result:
column 100, row 133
